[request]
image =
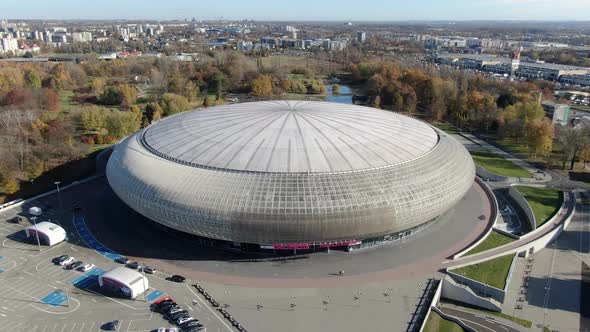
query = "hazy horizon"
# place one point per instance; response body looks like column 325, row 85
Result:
column 303, row 10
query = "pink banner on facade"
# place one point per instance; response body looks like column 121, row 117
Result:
column 290, row 246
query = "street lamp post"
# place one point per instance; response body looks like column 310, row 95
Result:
column 67, row 296
column 58, row 194
column 36, row 232
column 143, row 281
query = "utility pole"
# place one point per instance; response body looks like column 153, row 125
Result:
column 36, row 232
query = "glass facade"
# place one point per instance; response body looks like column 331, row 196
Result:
column 284, row 207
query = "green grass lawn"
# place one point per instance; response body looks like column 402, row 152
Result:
column 499, row 165
column 447, row 128
column 436, row 323
column 545, row 202
column 493, row 240
column 492, row 272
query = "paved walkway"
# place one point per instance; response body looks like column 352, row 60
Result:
column 481, row 321
column 516, row 245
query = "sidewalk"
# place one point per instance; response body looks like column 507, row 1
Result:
column 473, row 143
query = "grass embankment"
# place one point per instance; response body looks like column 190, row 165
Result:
column 493, row 240
column 545, row 202
column 493, row 272
column 447, row 128
column 498, row 165
column 436, row 323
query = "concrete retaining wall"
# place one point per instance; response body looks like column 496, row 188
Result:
column 493, row 218
column 433, row 304
column 455, row 291
column 510, row 235
column 484, row 289
column 517, row 197
column 539, row 243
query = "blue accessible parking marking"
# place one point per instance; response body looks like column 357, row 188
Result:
column 91, row 241
column 89, row 279
column 55, row 299
column 156, row 294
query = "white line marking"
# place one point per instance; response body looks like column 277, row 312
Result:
column 213, row 312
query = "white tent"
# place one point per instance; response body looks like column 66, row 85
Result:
column 125, row 281
column 49, row 233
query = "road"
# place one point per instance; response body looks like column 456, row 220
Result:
column 482, row 322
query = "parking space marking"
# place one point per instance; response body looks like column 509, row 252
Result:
column 91, row 241
column 54, row 299
column 89, row 279
column 156, row 294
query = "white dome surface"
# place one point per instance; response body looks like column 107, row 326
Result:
column 290, row 137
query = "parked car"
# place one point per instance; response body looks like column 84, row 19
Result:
column 181, row 320
column 112, row 326
column 87, row 267
column 172, row 310
column 133, row 265
column 16, row 220
column 150, row 270
column 122, row 260
column 46, row 207
column 174, row 316
column 177, row 278
column 58, row 260
column 74, row 265
column 191, row 324
column 67, row 261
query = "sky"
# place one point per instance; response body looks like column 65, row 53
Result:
column 285, row 10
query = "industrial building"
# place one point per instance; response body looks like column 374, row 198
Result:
column 291, row 174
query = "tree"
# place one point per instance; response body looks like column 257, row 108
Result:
column 336, row 89
column 33, row 80
column 376, row 102
column 153, row 112
column 540, row 136
column 50, row 100
column 262, row 86
column 172, row 103
column 111, row 96
column 506, row 99
column 571, row 141
column 97, row 85
column 585, row 154
column 128, row 95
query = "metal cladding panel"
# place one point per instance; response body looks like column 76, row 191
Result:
column 291, row 207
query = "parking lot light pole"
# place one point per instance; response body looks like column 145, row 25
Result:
column 36, row 232
column 58, row 194
column 143, row 281
column 67, row 296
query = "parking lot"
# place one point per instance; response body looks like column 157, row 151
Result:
column 38, row 295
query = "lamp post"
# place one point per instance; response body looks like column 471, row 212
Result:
column 143, row 281
column 58, row 194
column 34, row 219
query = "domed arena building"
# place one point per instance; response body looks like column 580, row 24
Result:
column 291, row 174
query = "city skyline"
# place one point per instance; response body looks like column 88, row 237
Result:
column 346, row 10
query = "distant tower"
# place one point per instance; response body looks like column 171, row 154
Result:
column 361, row 36
column 515, row 62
